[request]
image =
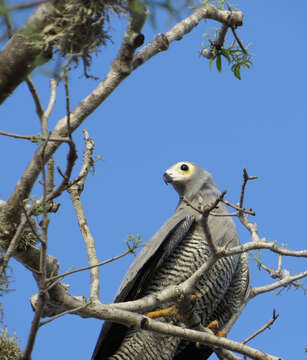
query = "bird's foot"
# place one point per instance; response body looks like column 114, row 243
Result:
column 170, row 311
column 213, row 326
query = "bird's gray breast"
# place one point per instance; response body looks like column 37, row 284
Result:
column 186, row 258
column 191, row 251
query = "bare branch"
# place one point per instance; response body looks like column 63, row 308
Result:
column 240, row 210
column 124, row 63
column 38, row 106
column 205, row 210
column 71, row 159
column 6, row 18
column 283, row 282
column 71, row 311
column 50, row 184
column 162, row 42
column 46, row 115
column 13, row 245
column 26, row 5
column 34, row 328
column 226, row 354
column 75, row 192
column 246, row 178
column 34, row 138
column 67, row 104
column 238, row 40
column 43, row 266
column 60, row 276
column 263, row 328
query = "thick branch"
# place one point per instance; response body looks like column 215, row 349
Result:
column 120, row 69
column 141, row 322
column 20, row 55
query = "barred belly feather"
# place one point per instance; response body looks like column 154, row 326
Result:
column 185, row 259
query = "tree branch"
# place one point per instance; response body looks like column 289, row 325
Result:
column 263, row 328
column 61, row 276
column 75, row 191
column 20, row 56
column 121, row 67
column 42, row 296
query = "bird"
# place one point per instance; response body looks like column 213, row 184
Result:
column 172, row 255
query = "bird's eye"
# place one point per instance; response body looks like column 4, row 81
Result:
column 184, row 167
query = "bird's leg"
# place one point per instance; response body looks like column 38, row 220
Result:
column 170, row 311
column 176, row 311
column 213, row 326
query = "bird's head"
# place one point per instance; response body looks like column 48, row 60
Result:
column 190, row 180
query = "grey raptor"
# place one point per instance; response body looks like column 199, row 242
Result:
column 173, row 254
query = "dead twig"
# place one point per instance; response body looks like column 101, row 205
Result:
column 238, row 40
column 239, row 208
column 75, row 192
column 60, row 276
column 62, row 314
column 263, row 328
column 47, row 113
column 13, row 245
column 34, row 138
column 246, row 178
column 26, row 5
column 33, row 91
column 42, row 295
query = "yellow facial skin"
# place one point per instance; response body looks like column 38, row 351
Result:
column 181, row 171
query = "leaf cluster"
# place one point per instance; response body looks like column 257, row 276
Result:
column 235, row 56
column 133, row 242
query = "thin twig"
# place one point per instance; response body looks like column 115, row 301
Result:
column 87, row 161
column 277, row 284
column 71, row 159
column 238, row 40
column 223, row 354
column 34, row 328
column 241, row 210
column 42, row 295
column 67, row 104
column 46, row 115
column 13, row 245
column 75, row 192
column 62, row 314
column 279, row 266
column 34, row 138
column 50, row 184
column 33, row 91
column 245, row 180
column 207, row 208
column 60, row 276
column 263, row 328
column 30, row 223
column 26, row 5
column 6, row 18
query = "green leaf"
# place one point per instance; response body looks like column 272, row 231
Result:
column 219, row 63
column 211, row 62
column 226, row 55
column 237, row 72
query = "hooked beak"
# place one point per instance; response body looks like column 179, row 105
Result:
column 167, row 178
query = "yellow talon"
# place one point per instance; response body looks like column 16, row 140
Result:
column 172, row 310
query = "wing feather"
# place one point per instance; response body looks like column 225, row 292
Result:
column 150, row 258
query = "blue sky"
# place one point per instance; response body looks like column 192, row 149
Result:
column 171, row 109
